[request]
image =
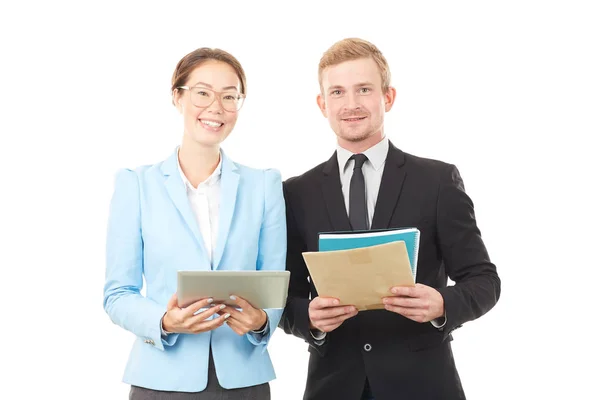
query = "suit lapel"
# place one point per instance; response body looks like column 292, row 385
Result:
column 334, row 198
column 229, row 187
column 177, row 192
column 390, row 188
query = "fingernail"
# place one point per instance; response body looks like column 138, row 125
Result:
column 394, row 290
column 226, row 316
column 233, row 297
column 385, row 301
column 350, row 309
column 336, row 302
column 212, row 305
column 222, row 306
column 210, row 300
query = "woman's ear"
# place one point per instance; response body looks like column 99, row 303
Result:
column 176, row 99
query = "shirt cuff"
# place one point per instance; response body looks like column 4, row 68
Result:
column 318, row 336
column 163, row 333
column 440, row 322
column 264, row 328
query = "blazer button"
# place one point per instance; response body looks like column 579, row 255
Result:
column 367, row 347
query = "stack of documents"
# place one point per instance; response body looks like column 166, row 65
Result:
column 360, row 268
column 350, row 240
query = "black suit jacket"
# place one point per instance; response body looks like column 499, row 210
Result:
column 402, row 359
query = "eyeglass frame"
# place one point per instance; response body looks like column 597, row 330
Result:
column 217, row 96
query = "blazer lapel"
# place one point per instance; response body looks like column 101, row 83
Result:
column 390, row 188
column 334, row 198
column 177, row 192
column 230, row 178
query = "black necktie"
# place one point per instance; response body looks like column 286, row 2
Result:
column 358, row 200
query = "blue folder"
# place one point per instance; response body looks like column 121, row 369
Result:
column 329, row 241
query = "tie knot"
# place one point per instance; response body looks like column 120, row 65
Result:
column 359, row 160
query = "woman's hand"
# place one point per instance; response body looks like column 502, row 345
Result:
column 183, row 320
column 245, row 320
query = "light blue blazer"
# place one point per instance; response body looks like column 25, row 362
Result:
column 152, row 232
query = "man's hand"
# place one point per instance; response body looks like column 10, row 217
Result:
column 187, row 320
column 246, row 320
column 420, row 303
column 326, row 314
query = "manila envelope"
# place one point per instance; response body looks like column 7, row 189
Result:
column 362, row 276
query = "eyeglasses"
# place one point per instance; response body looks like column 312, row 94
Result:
column 231, row 101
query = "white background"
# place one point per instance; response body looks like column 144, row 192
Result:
column 508, row 91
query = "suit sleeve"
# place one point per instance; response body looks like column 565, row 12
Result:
column 295, row 319
column 467, row 263
column 123, row 302
column 272, row 247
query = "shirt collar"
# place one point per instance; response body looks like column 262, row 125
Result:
column 376, row 155
column 211, row 180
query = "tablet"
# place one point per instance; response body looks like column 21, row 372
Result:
column 262, row 289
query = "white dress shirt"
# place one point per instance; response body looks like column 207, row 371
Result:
column 205, row 200
column 372, row 170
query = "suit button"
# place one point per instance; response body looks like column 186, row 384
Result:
column 367, row 347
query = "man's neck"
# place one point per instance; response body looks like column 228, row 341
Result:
column 362, row 145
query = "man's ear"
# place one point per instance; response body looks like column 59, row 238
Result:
column 321, row 104
column 389, row 98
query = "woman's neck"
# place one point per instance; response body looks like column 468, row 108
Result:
column 198, row 162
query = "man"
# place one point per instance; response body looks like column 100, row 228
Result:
column 402, row 351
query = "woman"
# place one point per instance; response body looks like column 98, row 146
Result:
column 195, row 210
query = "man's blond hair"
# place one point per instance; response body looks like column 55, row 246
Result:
column 353, row 49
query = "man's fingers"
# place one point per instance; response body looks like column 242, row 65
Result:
column 323, row 302
column 329, row 328
column 336, row 320
column 406, row 312
column 407, row 302
column 406, row 291
column 331, row 312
